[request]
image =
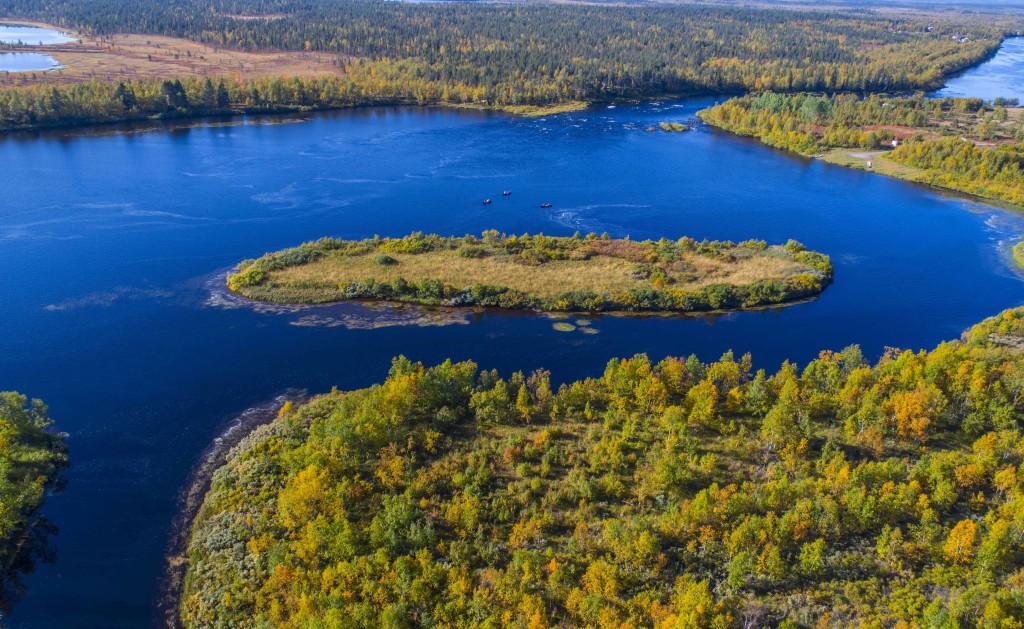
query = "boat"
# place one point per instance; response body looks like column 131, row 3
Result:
column 545, row 205
column 487, row 201
column 506, row 193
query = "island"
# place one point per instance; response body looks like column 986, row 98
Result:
column 669, row 494
column 548, row 273
column 962, row 144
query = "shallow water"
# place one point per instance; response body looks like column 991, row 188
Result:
column 26, row 62
column 32, row 35
column 113, row 245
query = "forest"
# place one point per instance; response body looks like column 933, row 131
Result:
column 963, row 144
column 669, row 494
column 547, row 273
column 502, row 56
column 31, row 458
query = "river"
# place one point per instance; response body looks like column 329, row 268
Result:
column 113, row 242
column 1002, row 76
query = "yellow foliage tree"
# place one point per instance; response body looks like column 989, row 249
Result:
column 959, row 546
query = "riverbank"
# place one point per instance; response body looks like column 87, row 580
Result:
column 262, row 75
column 32, row 459
column 544, row 273
column 882, row 165
column 190, row 499
column 418, row 476
column 963, row 145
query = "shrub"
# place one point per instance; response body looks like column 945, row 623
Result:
column 472, row 251
column 384, row 259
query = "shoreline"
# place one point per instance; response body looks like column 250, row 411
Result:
column 192, row 494
column 516, row 111
column 375, row 319
column 847, row 157
column 844, row 158
column 525, row 111
column 545, row 274
column 472, row 308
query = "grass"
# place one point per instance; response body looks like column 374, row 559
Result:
column 673, row 127
column 526, row 111
column 1018, row 254
column 600, row 273
column 879, row 163
column 857, row 158
column 545, row 273
column 112, row 58
column 538, row 111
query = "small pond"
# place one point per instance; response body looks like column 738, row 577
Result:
column 26, row 62
column 32, row 35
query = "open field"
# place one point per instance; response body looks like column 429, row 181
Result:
column 879, row 163
column 540, row 272
column 600, row 273
column 122, row 57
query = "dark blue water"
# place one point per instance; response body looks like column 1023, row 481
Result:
column 109, row 244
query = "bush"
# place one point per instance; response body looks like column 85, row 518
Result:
column 384, row 259
column 472, row 251
column 250, row 277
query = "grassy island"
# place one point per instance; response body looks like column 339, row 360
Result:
column 962, row 144
column 676, row 494
column 577, row 273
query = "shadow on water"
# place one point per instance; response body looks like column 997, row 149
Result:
column 30, row 546
column 183, row 126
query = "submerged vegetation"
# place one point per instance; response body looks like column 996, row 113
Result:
column 526, row 58
column 676, row 494
column 591, row 273
column 1018, row 254
column 30, row 460
column 962, row 144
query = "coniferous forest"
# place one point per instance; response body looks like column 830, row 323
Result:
column 502, row 56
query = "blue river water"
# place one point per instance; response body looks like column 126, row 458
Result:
column 114, row 241
column 1003, row 75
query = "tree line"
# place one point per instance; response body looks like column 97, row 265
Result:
column 31, row 457
column 504, row 56
column 962, row 144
